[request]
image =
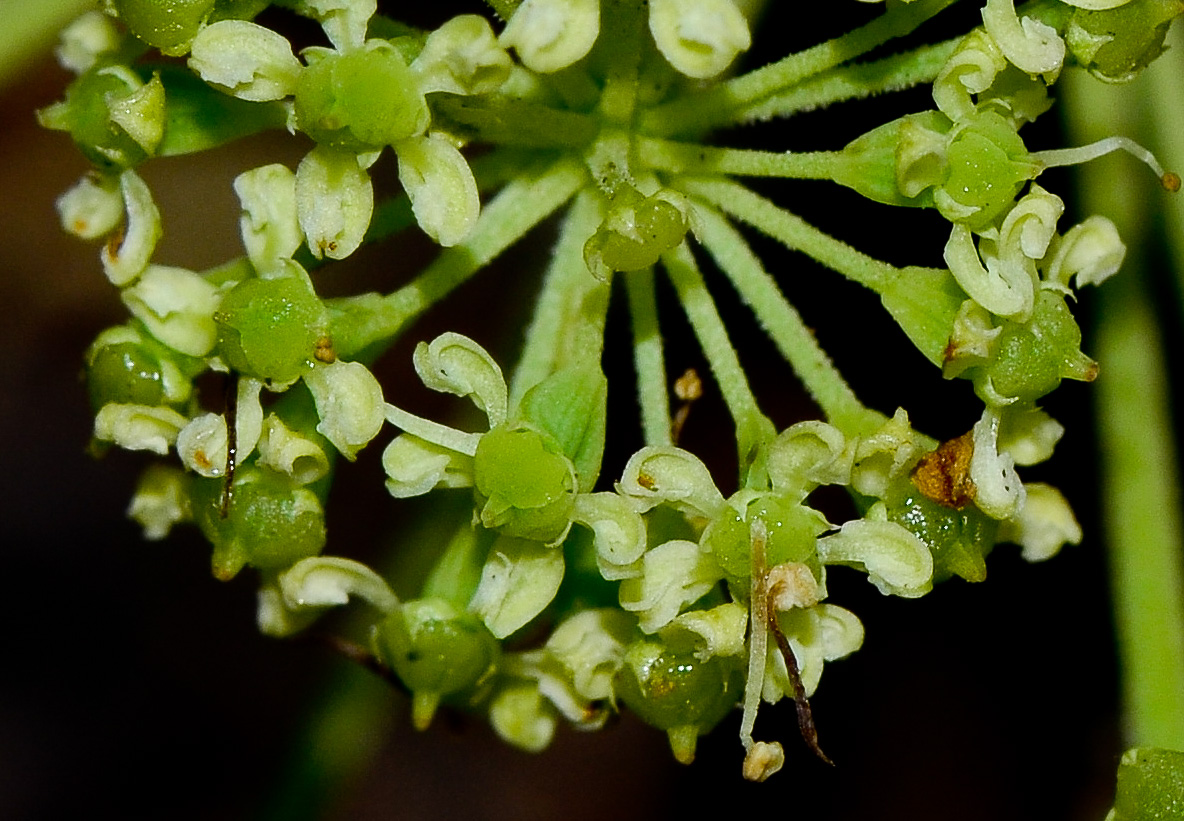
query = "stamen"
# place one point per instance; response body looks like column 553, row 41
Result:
column 758, row 634
column 1072, row 156
column 231, row 444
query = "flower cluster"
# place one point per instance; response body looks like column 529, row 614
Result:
column 650, row 590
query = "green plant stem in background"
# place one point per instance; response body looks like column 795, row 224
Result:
column 29, row 28
column 1140, row 476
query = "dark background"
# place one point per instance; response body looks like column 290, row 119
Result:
column 135, row 685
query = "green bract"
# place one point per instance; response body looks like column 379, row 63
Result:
column 360, row 100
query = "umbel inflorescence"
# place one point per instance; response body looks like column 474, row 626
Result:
column 600, row 113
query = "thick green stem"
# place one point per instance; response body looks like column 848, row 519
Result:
column 518, row 208
column 721, row 104
column 753, row 429
column 1140, row 474
column 648, row 358
column 792, row 231
column 784, row 326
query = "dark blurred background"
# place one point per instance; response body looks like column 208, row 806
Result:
column 135, row 685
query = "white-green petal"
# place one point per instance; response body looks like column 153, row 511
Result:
column 665, row 474
column 1044, row 525
column 141, row 114
column 202, row 444
column 344, row 21
column 971, row 69
column 519, row 579
column 1004, row 287
column 85, row 40
column 700, row 38
column 161, row 500
column 1028, row 44
column 720, row 631
column 334, row 202
column 246, row 60
column 177, row 306
column 269, row 223
column 443, row 192
column 414, row 467
column 138, row 427
column 591, row 646
column 327, row 581
column 463, row 56
column 521, row 716
column 552, row 34
column 998, row 490
column 349, row 404
column 809, row 454
column 142, row 230
column 1092, row 251
column 896, row 561
column 453, row 363
column 293, row 454
column 619, row 533
column 674, row 574
column 1029, row 436
column 92, row 208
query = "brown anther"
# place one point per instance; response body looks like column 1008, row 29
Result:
column 646, row 482
column 115, row 242
column 324, row 351
column 943, row 476
column 1171, row 181
column 201, row 460
column 688, row 388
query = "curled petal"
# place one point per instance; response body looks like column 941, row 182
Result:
column 667, row 474
column 269, row 225
column 139, row 427
column 620, row 533
column 325, row 581
column 552, row 34
column 700, row 38
column 161, row 501
column 453, row 363
column 291, row 453
column 177, row 306
column 414, row 467
column 674, row 575
column 1003, row 288
column 896, row 561
column 127, row 258
column 999, row 491
column 809, row 454
column 971, row 69
column 519, row 579
column 1028, row 44
column 1092, row 251
column 463, row 56
column 1044, row 525
column 92, row 208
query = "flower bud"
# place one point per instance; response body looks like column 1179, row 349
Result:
column 1116, row 40
column 635, row 232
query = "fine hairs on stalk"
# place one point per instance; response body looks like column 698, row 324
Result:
column 572, row 587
